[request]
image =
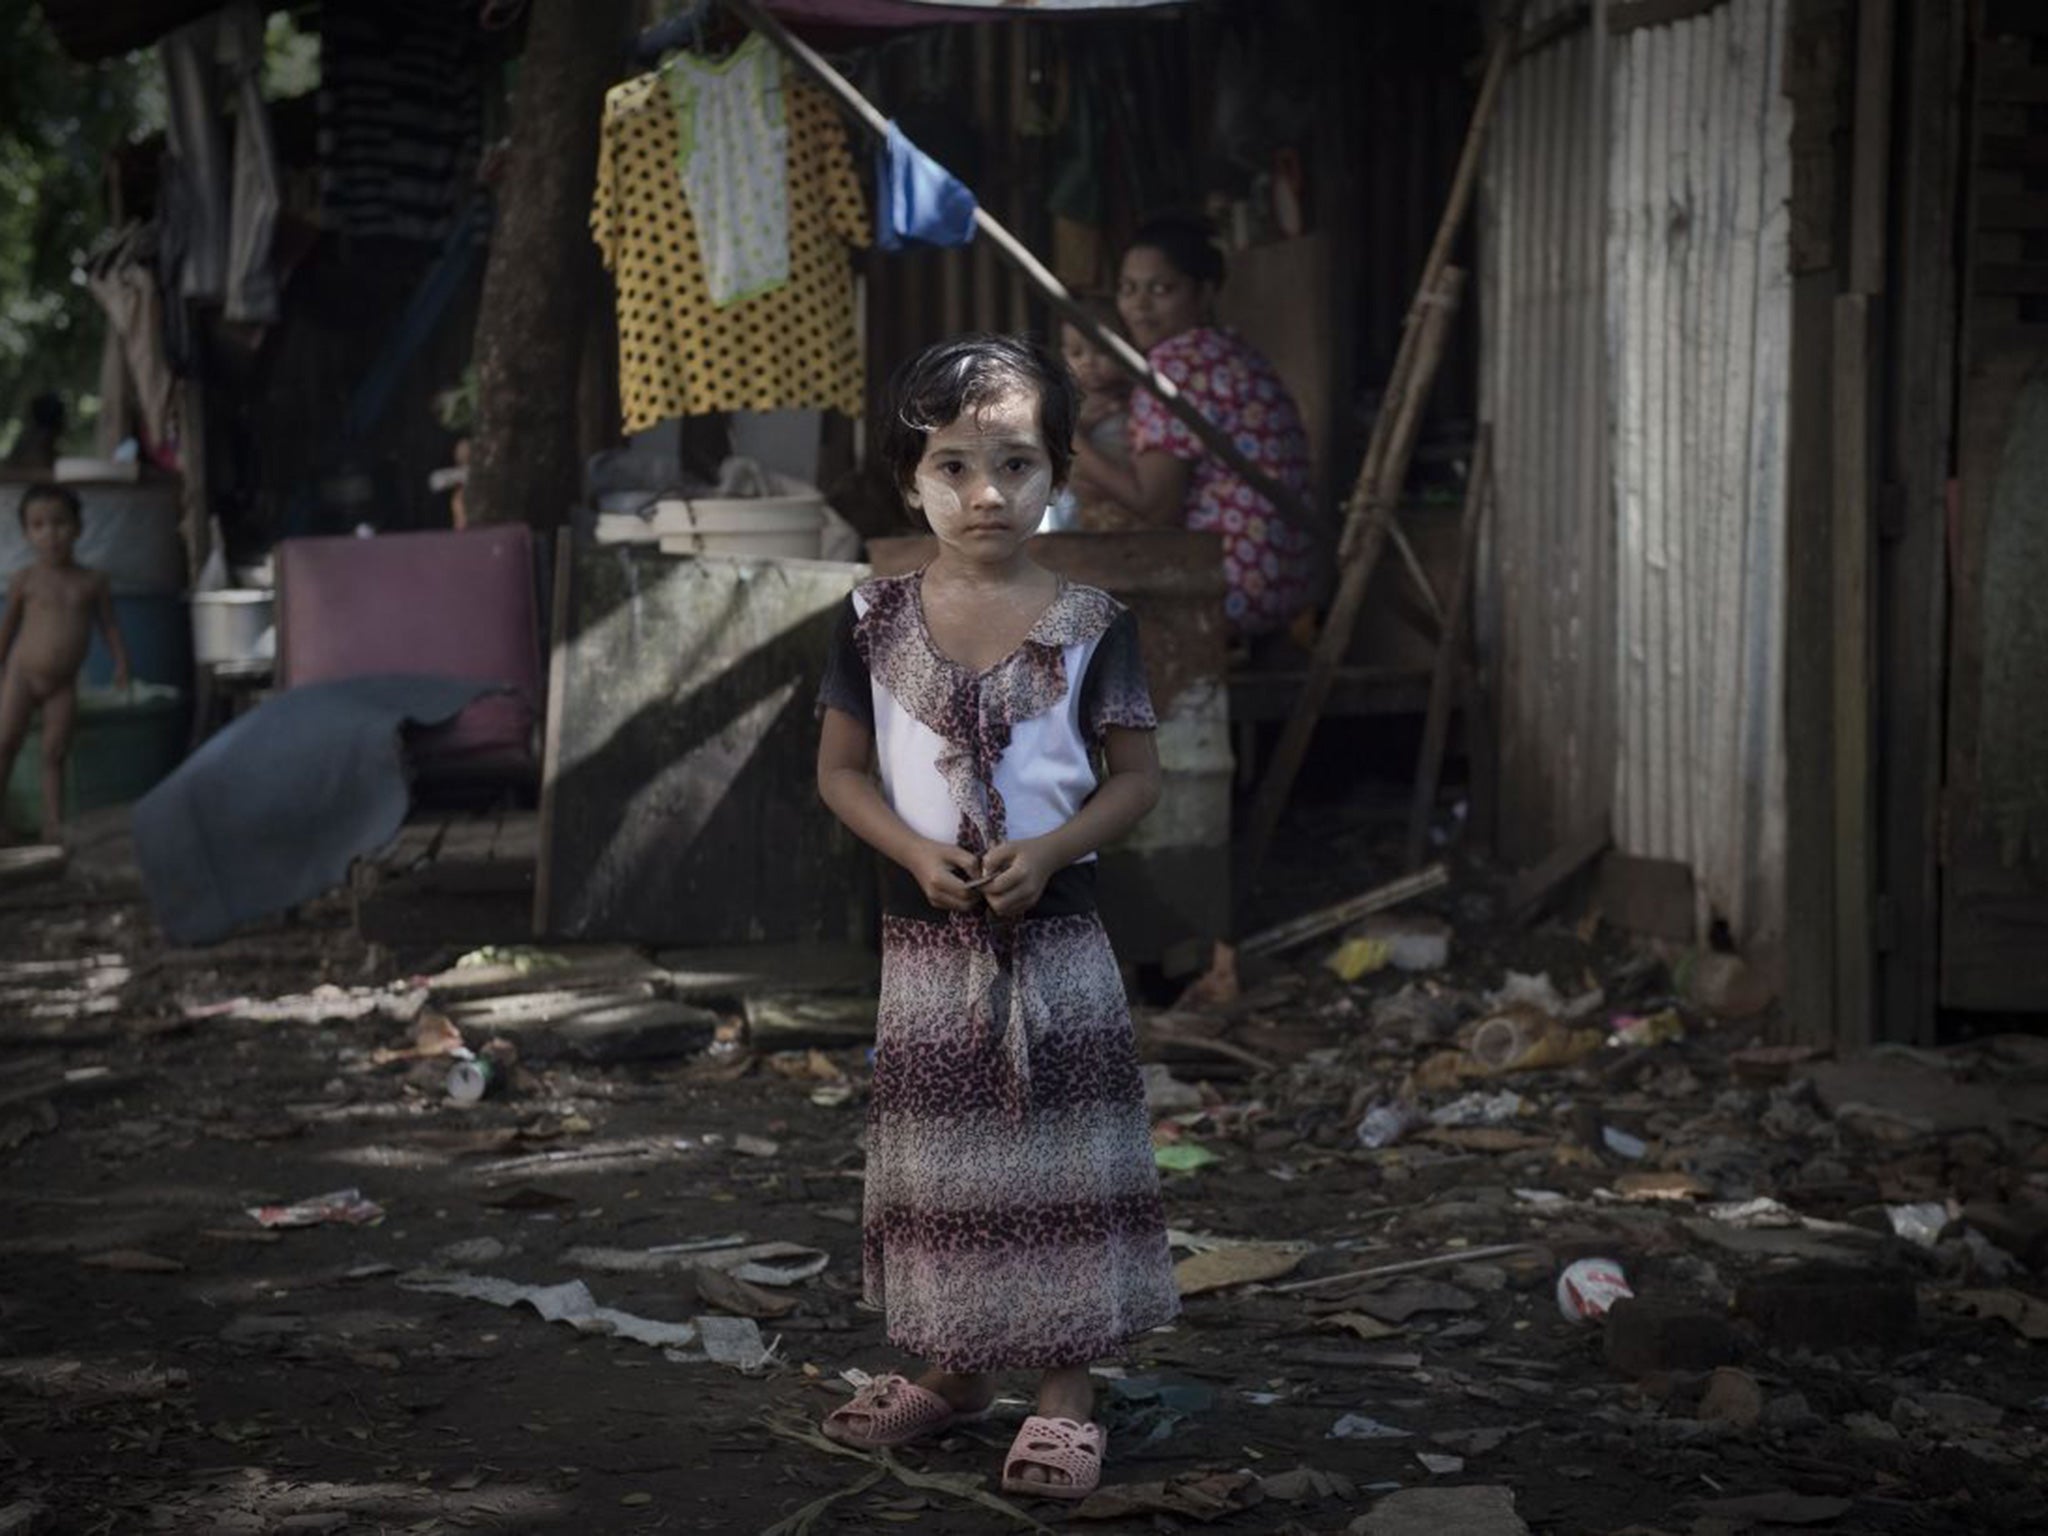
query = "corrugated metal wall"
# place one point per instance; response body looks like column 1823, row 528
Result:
column 1699, row 304
column 1548, row 605
column 1635, row 606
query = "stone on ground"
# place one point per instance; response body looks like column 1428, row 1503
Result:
column 1483, row 1511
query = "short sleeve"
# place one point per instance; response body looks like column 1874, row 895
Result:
column 1153, row 428
column 604, row 226
column 846, row 686
column 1114, row 692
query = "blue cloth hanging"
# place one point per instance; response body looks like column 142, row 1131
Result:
column 921, row 200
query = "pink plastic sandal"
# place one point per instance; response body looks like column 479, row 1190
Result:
column 1058, row 1445
column 893, row 1410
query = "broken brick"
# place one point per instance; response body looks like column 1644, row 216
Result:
column 1823, row 1307
column 1644, row 1337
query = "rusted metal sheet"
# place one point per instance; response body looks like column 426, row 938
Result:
column 1636, row 371
column 1700, row 333
column 1547, row 600
column 1166, row 888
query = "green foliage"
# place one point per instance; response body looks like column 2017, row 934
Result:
column 58, row 122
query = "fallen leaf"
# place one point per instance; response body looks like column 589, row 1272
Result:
column 133, row 1261
column 1240, row 1264
column 727, row 1293
column 1200, row 1496
column 1486, row 1138
column 1183, row 1157
column 1361, row 1325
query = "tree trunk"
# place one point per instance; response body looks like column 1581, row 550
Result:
column 542, row 272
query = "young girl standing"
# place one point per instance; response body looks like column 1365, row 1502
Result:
column 1013, row 1218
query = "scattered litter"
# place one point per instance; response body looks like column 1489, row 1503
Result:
column 1166, row 1094
column 772, row 1264
column 327, row 1004
column 1921, row 1222
column 520, row 960
column 569, row 1302
column 1200, row 1496
column 729, row 1293
column 734, row 1341
column 1639, row 1031
column 1308, row 1485
column 1183, row 1156
column 1589, row 1288
column 1412, row 1298
column 1412, row 943
column 1356, row 1426
column 1524, row 1040
column 346, row 1207
column 476, row 1250
column 1622, row 1144
column 756, row 1146
column 1385, row 1124
column 1667, row 1184
column 1479, row 1109
column 1355, row 959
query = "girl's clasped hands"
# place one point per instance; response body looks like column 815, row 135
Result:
column 1008, row 879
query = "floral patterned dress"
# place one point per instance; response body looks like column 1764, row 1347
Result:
column 1268, row 565
column 1012, row 1213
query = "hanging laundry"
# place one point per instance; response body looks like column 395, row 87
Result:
column 123, row 279
column 681, row 352
column 733, row 148
column 225, row 212
column 920, row 199
column 401, row 117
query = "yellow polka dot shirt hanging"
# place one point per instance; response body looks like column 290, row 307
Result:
column 680, row 352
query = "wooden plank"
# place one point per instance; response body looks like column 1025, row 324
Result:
column 2011, row 210
column 1429, row 762
column 2012, row 82
column 1817, row 56
column 2012, row 152
column 1535, row 889
column 1854, row 818
column 1871, row 164
column 1914, row 569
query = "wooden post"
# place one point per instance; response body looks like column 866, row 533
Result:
column 1369, row 515
column 1365, row 537
column 1450, row 652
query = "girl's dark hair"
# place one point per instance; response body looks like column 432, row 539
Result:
column 1189, row 243
column 44, row 490
column 942, row 383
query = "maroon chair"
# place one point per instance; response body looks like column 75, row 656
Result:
column 454, row 604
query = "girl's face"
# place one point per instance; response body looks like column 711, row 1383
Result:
column 1090, row 366
column 1157, row 299
column 985, row 479
column 51, row 530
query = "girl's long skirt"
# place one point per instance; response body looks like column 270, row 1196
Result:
column 1013, row 1218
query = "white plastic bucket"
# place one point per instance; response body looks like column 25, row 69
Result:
column 765, row 527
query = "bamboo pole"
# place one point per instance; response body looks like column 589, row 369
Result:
column 1366, row 536
column 1369, row 516
column 1436, row 723
column 1314, row 925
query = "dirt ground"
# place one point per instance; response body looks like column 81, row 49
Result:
column 169, row 1364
